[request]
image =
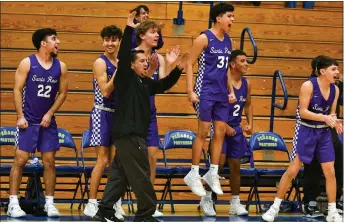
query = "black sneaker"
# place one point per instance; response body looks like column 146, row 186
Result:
column 105, row 215
column 312, row 210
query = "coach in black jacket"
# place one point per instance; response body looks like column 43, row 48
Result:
column 130, row 165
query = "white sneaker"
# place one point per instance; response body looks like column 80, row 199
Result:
column 157, row 214
column 91, row 209
column 334, row 216
column 237, row 209
column 270, row 214
column 15, row 211
column 118, row 207
column 214, row 182
column 51, row 210
column 207, row 205
column 194, row 182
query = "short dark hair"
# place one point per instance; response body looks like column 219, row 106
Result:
column 143, row 28
column 236, row 53
column 219, row 10
column 138, row 9
column 134, row 54
column 321, row 62
column 111, row 31
column 40, row 35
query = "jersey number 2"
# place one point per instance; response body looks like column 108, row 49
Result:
column 43, row 91
column 236, row 110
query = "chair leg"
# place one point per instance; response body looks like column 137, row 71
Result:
column 170, row 194
column 74, row 194
column 163, row 194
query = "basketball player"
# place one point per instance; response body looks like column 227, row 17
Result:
column 211, row 95
column 315, row 113
column 235, row 145
column 38, row 79
column 104, row 69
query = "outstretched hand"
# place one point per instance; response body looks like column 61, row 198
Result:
column 171, row 57
column 182, row 62
column 130, row 21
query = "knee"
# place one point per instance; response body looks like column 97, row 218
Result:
column 49, row 164
column 20, row 161
column 202, row 134
column 329, row 174
column 219, row 131
column 103, row 161
column 292, row 172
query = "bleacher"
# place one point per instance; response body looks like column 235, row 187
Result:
column 287, row 40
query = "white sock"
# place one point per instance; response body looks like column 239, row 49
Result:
column 94, row 201
column 214, row 169
column 195, row 168
column 208, row 194
column 14, row 199
column 332, row 206
column 277, row 202
column 49, row 199
column 235, row 199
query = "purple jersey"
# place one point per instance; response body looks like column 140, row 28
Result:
column 318, row 104
column 40, row 89
column 99, row 99
column 235, row 109
column 211, row 82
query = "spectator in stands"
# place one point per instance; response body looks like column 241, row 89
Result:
column 211, row 95
column 312, row 172
column 314, row 114
column 130, row 128
column 142, row 14
column 104, row 69
column 306, row 4
column 40, row 88
column 235, row 145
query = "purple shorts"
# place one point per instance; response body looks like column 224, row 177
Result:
column 308, row 142
column 209, row 110
column 100, row 127
column 153, row 134
column 236, row 146
column 36, row 136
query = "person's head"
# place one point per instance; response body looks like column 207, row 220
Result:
column 142, row 13
column 111, row 36
column 46, row 39
column 326, row 67
column 139, row 62
column 223, row 15
column 147, row 32
column 238, row 62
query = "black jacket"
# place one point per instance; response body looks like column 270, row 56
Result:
column 132, row 115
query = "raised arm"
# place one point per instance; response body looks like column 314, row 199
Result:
column 61, row 97
column 198, row 46
column 19, row 83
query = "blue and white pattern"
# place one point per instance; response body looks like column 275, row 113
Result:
column 199, row 79
column 96, row 136
column 293, row 154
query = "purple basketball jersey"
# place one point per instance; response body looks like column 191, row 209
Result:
column 211, row 82
column 40, row 89
column 99, row 99
column 235, row 109
column 318, row 104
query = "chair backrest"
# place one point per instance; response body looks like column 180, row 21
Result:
column 7, row 135
column 268, row 141
column 86, row 143
column 66, row 141
column 179, row 139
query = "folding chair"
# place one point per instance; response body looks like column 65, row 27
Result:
column 267, row 177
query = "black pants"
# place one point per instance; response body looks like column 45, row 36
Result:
column 131, row 166
column 313, row 172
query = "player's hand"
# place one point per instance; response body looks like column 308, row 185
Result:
column 230, row 131
column 161, row 26
column 192, row 96
column 171, row 57
column 339, row 126
column 182, row 62
column 247, row 129
column 130, row 21
column 232, row 98
column 153, row 61
column 46, row 120
column 331, row 120
column 22, row 123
